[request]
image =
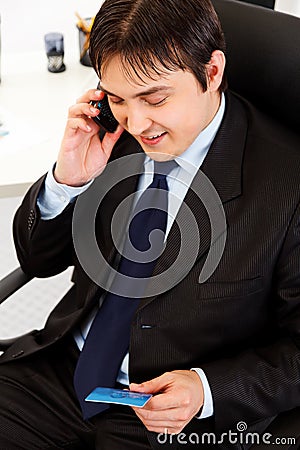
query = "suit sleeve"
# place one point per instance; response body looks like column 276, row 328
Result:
column 262, row 382
column 44, row 247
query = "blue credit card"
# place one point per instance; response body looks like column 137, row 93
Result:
column 118, row 396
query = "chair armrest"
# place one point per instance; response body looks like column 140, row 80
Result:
column 12, row 282
column 5, row 343
column 8, row 286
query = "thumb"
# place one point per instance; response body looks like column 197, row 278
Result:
column 110, row 139
column 149, row 387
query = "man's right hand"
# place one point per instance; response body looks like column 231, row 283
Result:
column 82, row 155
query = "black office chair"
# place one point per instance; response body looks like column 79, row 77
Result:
column 263, row 58
column 265, row 3
column 263, row 65
column 8, row 286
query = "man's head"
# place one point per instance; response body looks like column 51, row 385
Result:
column 140, row 46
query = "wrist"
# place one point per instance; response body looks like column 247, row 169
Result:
column 199, row 387
column 207, row 409
column 67, row 181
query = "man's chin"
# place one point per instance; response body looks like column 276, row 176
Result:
column 158, row 155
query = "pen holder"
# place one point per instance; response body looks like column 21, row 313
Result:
column 54, row 44
column 84, row 27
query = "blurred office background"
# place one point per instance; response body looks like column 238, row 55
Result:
column 33, row 110
column 288, row 6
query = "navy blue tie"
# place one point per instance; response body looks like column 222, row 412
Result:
column 108, row 339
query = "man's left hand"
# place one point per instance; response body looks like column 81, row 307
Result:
column 178, row 398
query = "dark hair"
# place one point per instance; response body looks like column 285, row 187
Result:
column 151, row 34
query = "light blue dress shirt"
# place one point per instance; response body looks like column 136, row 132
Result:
column 55, row 197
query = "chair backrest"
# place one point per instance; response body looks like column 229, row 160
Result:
column 265, row 3
column 263, row 58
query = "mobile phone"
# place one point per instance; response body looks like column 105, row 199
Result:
column 105, row 118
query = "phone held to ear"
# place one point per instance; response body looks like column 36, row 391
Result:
column 105, row 118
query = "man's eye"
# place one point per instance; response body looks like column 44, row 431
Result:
column 156, row 102
column 115, row 100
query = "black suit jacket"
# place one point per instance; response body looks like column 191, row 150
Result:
column 242, row 325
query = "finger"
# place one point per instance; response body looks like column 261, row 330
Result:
column 173, row 415
column 163, row 402
column 163, row 429
column 91, row 94
column 176, row 413
column 171, row 427
column 83, row 109
column 162, row 426
column 74, row 125
column 155, row 385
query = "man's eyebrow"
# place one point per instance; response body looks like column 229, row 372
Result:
column 148, row 91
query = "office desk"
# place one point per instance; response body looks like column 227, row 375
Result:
column 33, row 101
column 34, row 106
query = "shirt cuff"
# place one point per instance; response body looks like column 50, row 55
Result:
column 208, row 406
column 54, row 197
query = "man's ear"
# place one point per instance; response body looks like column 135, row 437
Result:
column 215, row 70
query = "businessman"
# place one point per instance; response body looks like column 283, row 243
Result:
column 217, row 347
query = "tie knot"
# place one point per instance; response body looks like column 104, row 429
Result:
column 163, row 168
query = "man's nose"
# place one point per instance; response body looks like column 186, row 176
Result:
column 137, row 122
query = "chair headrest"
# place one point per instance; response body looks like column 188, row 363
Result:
column 263, row 58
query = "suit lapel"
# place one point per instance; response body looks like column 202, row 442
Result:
column 223, row 163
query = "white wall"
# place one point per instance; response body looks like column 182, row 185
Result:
column 24, row 23
column 288, row 6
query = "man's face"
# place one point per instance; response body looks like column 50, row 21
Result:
column 164, row 113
